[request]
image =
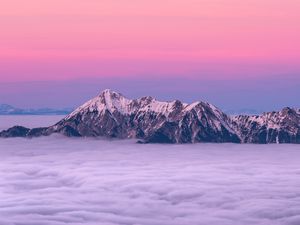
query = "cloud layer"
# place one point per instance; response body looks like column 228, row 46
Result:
column 58, row 181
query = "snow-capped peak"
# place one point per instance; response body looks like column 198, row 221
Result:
column 111, row 114
column 106, row 100
column 114, row 101
column 108, row 93
column 160, row 107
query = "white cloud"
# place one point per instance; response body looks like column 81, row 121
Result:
column 57, row 181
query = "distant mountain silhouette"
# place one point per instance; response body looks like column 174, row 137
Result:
column 6, row 109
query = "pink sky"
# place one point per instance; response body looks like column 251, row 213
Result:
column 218, row 39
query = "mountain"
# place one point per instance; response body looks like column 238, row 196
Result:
column 112, row 115
column 10, row 110
column 272, row 127
column 243, row 111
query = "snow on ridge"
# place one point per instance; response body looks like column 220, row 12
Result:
column 223, row 119
column 189, row 107
column 107, row 100
column 272, row 120
column 160, row 107
column 114, row 101
column 89, row 105
column 219, row 118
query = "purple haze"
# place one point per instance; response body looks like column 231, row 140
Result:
column 261, row 94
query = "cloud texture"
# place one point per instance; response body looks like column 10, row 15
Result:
column 58, row 181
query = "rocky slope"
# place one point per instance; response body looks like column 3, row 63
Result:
column 272, row 127
column 110, row 114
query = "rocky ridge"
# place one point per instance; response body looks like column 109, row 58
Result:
column 112, row 115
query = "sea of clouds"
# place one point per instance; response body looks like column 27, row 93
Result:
column 57, row 181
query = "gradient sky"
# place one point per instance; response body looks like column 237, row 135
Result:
column 201, row 47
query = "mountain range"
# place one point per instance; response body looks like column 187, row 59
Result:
column 112, row 115
column 6, row 109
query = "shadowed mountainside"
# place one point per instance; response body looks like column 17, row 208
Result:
column 112, row 115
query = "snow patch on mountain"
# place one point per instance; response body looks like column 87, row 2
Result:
column 112, row 115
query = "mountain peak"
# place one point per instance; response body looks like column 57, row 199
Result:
column 6, row 107
column 110, row 114
column 288, row 110
column 108, row 93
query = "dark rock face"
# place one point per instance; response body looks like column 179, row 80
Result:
column 112, row 115
column 273, row 127
column 36, row 132
column 19, row 131
column 16, row 131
